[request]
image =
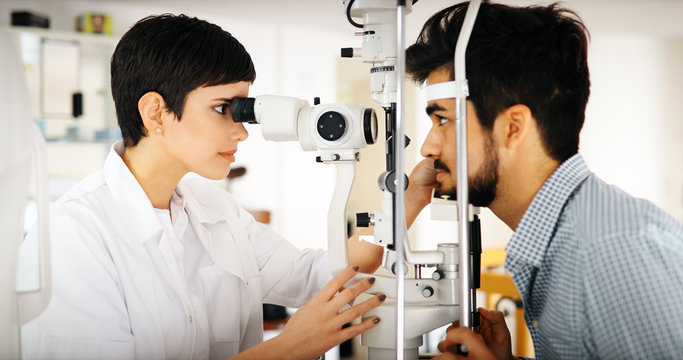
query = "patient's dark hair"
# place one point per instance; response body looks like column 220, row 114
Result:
column 536, row 56
column 172, row 55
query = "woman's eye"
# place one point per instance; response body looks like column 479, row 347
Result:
column 442, row 121
column 222, row 109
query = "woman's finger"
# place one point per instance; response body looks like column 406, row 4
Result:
column 356, row 329
column 351, row 292
column 331, row 288
column 358, row 310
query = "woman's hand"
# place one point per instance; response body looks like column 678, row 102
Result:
column 317, row 326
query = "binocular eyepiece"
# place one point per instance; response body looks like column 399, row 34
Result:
column 323, row 126
column 242, row 110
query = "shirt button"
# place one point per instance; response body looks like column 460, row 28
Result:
column 535, row 323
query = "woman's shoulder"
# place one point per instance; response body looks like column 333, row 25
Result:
column 80, row 217
column 89, row 192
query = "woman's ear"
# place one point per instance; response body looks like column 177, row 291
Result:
column 512, row 125
column 152, row 108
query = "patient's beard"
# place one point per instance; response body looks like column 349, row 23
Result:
column 482, row 187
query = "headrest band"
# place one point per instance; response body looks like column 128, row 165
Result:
column 442, row 90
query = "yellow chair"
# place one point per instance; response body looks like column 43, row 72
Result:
column 499, row 285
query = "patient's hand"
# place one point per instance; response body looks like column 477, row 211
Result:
column 419, row 192
column 492, row 340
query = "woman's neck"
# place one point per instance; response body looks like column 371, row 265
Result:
column 154, row 172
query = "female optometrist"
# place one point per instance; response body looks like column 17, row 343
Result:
column 148, row 263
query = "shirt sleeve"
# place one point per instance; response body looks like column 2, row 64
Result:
column 289, row 276
column 86, row 317
column 634, row 285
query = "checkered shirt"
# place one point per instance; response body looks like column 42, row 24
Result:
column 599, row 271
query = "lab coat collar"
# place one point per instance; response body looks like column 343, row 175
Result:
column 129, row 196
column 203, row 208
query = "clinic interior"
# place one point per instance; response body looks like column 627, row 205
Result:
column 633, row 134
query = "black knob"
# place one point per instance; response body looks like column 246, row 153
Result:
column 427, row 291
column 331, row 126
column 362, row 219
column 347, row 52
column 394, row 269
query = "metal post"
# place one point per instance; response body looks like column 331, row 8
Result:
column 461, row 150
column 399, row 212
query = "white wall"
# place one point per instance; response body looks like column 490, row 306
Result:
column 633, row 135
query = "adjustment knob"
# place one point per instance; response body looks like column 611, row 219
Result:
column 394, row 269
column 347, row 52
column 438, row 275
column 427, row 291
column 364, row 220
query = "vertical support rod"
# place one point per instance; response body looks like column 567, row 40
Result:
column 462, row 92
column 399, row 211
column 463, row 221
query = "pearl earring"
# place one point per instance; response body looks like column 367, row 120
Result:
column 158, row 130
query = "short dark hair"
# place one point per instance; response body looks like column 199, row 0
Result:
column 172, row 55
column 536, row 56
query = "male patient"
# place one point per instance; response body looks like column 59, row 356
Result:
column 599, row 271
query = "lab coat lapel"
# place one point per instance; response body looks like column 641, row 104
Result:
column 221, row 234
column 138, row 274
column 223, row 250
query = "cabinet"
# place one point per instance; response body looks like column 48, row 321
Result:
column 57, row 65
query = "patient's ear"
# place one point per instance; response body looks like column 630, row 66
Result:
column 512, row 126
column 152, row 108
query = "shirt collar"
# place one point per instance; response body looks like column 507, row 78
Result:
column 532, row 236
column 134, row 203
column 129, row 196
column 203, row 206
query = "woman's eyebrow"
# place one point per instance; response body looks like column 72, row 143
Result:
column 227, row 100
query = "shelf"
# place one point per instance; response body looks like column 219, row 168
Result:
column 83, row 38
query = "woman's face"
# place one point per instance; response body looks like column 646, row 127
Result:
column 205, row 140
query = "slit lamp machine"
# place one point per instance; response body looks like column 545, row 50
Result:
column 416, row 305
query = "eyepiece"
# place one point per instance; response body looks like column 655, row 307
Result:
column 370, row 126
column 242, row 110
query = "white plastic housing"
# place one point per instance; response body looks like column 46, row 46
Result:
column 278, row 116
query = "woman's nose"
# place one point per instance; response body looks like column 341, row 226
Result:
column 240, row 133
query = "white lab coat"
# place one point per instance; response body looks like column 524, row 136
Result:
column 110, row 284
